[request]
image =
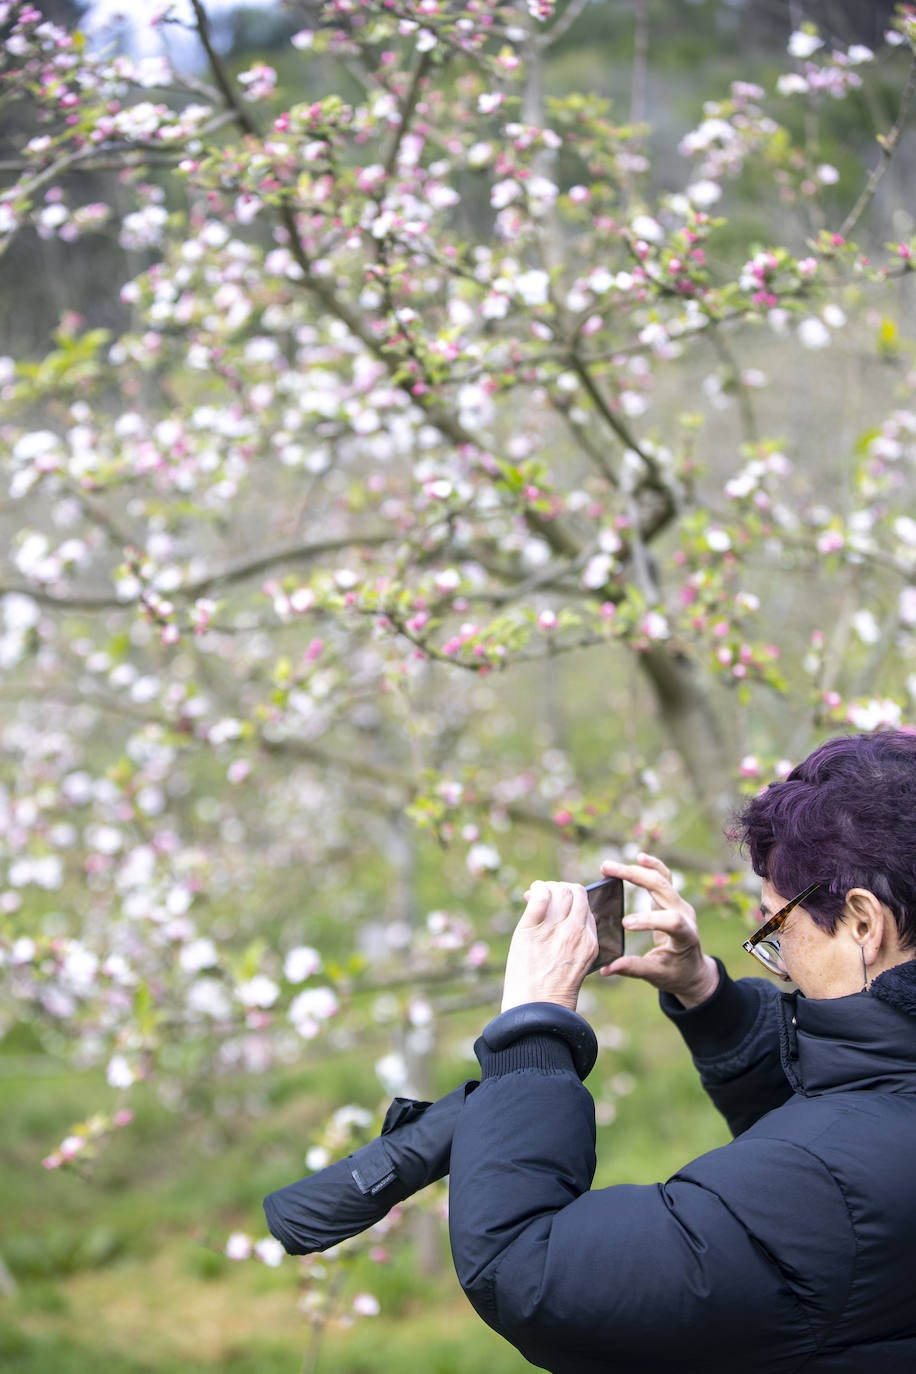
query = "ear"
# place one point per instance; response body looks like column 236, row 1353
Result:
column 868, row 921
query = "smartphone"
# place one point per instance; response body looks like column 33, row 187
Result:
column 606, row 901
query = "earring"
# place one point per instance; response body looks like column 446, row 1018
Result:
column 864, row 970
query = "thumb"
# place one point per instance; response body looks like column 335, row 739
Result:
column 628, row 966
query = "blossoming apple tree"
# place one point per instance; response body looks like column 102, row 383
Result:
column 447, row 476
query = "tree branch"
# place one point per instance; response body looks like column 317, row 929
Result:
column 220, row 74
column 113, row 158
column 745, row 406
column 888, row 148
column 420, row 69
column 363, row 770
column 239, row 570
column 573, row 11
column 613, row 421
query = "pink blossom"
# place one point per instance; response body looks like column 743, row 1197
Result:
column 259, row 81
column 477, row 954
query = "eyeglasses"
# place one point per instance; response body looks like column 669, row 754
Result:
column 764, row 945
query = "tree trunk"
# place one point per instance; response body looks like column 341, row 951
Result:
column 695, row 732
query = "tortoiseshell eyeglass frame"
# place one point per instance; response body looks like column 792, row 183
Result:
column 769, row 929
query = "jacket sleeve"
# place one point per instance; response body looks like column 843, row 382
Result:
column 734, row 1038
column 634, row 1278
column 335, row 1203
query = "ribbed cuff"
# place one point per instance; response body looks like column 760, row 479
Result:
column 724, row 1018
column 537, row 1020
column 545, row 1053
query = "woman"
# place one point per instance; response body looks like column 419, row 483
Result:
column 793, row 1248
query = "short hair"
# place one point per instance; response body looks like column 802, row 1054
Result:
column 846, row 817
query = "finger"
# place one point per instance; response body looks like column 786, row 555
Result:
column 628, row 966
column 652, row 880
column 557, row 899
column 538, row 899
column 653, row 861
column 580, row 907
column 571, row 903
column 671, row 921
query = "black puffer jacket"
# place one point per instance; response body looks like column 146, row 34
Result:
column 791, row 1250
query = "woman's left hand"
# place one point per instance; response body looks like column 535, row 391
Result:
column 553, row 947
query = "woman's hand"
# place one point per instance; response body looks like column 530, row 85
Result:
column 554, row 946
column 677, row 963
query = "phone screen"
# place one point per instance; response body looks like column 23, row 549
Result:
column 606, row 901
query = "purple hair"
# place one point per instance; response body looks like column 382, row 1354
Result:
column 845, row 816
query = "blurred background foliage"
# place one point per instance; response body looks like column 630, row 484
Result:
column 120, row 1262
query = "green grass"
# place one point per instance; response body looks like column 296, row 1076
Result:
column 123, row 1269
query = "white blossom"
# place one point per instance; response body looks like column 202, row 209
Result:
column 803, row 44
column 238, row 1246
column 208, row 997
column 645, row 227
column 906, row 607
column 259, row 991
column 310, row 1008
column 482, row 858
column 866, row 626
column 300, row 963
column 393, row 1073
column 655, row 625
column 119, row 1073
column 269, row 1251
column 199, row 954
column 532, row 287
column 704, row 193
column 870, row 715
column 597, row 571
column 813, row 333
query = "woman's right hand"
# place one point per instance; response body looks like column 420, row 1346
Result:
column 676, row 963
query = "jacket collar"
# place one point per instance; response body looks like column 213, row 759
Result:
column 866, row 1040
